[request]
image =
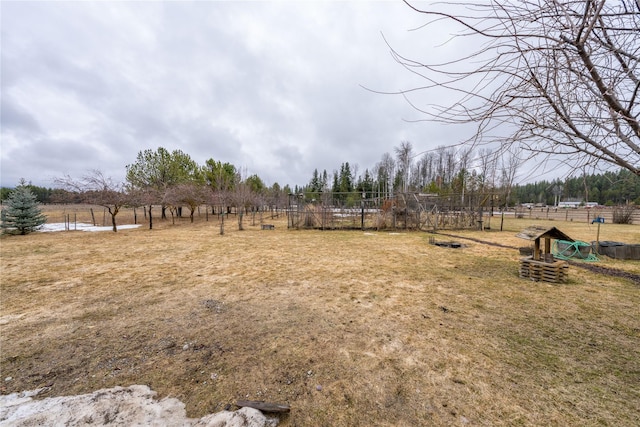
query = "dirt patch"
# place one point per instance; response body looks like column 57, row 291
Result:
column 608, row 271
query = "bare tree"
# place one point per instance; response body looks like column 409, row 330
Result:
column 424, row 170
column 242, row 198
column 385, row 174
column 487, row 160
column 97, row 189
column 441, row 166
column 404, row 155
column 510, row 165
column 450, row 164
column 554, row 77
column 464, row 160
column 191, row 194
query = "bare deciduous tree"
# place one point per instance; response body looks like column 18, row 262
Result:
column 510, row 164
column 385, row 171
column 404, row 155
column 555, row 77
column 487, row 160
column 97, row 189
column 242, row 198
column 191, row 194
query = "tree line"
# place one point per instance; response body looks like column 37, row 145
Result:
column 444, row 171
column 464, row 172
column 609, row 188
column 172, row 180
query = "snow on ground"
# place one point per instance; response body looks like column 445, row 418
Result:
column 119, row 406
column 81, row 226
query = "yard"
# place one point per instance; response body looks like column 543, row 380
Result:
column 347, row 327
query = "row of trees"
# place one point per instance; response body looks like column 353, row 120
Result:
column 173, row 180
column 609, row 188
column 443, row 171
column 42, row 194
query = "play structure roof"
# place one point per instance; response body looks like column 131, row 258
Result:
column 536, row 232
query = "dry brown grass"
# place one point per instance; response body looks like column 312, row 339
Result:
column 349, row 328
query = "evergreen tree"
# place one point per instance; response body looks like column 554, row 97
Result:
column 335, row 187
column 314, row 184
column 256, row 185
column 324, row 181
column 346, row 180
column 22, row 214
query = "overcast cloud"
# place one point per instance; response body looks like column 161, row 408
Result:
column 271, row 87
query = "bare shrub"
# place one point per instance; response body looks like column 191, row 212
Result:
column 623, row 214
column 310, row 213
column 381, row 221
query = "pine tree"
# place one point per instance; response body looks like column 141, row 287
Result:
column 22, row 214
column 315, row 183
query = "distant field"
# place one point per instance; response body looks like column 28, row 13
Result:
column 348, row 327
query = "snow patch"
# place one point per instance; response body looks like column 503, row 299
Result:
column 81, row 226
column 131, row 406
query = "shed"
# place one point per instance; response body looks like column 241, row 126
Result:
column 544, row 268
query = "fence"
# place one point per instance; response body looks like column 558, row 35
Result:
column 424, row 212
column 402, row 212
column 99, row 216
column 406, row 211
column 580, row 214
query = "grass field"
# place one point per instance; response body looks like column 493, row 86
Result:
column 349, row 328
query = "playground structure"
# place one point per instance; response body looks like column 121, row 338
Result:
column 542, row 265
column 402, row 211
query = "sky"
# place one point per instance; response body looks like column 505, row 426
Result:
column 275, row 88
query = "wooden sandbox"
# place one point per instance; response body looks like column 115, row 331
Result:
column 543, row 271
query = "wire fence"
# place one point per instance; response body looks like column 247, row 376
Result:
column 408, row 213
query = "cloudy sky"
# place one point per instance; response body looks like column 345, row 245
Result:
column 275, row 88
